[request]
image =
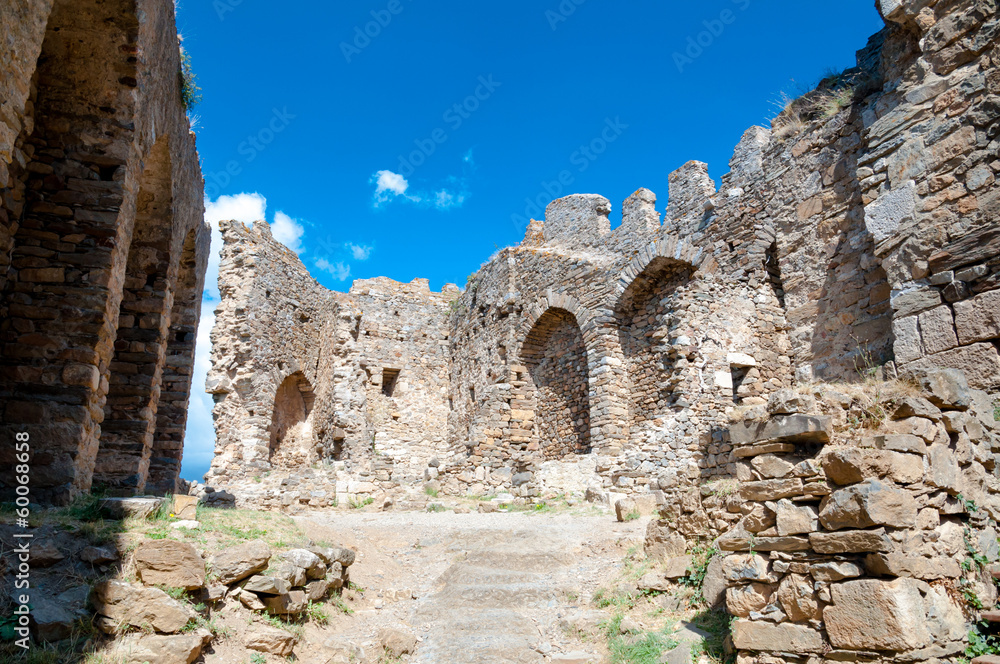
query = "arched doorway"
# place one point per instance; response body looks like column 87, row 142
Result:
column 291, row 427
column 557, row 384
column 647, row 318
column 140, row 344
column 178, row 368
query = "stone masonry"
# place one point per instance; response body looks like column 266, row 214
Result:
column 860, row 230
column 103, row 247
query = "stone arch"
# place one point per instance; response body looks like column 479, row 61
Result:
column 178, row 368
column 557, row 384
column 554, row 300
column 671, row 248
column 67, row 214
column 290, row 430
column 140, row 343
column 646, row 321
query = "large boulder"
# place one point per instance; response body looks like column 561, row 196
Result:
column 293, row 602
column 784, row 428
column 798, row 598
column 270, row 640
column 742, row 600
column 266, row 585
column 124, row 604
column 662, row 541
column 397, row 642
column 170, row 563
column 52, row 620
column 851, row 465
column 869, row 614
column 747, row 567
column 850, row 541
column 945, row 388
column 713, row 587
column 306, row 560
column 870, row 503
column 156, row 649
column 239, row 562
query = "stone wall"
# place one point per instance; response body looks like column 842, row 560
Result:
column 834, row 245
column 103, row 247
column 860, row 538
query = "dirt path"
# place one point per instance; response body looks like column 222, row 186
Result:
column 488, row 588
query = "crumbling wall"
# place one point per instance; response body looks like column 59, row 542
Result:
column 814, row 259
column 266, row 330
column 98, row 172
column 855, row 538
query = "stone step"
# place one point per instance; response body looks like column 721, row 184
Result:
column 991, row 616
column 987, row 659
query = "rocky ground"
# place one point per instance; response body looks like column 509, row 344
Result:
column 556, row 583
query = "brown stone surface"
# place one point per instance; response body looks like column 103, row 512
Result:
column 786, row 637
column 170, row 563
column 877, row 615
column 125, row 604
column 103, row 247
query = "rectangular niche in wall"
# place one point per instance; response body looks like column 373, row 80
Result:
column 389, row 379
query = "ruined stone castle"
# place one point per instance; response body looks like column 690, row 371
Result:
column 103, row 245
column 859, row 231
column 699, row 356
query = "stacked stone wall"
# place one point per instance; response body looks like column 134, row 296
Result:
column 856, row 534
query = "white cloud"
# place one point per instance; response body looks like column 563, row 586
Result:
column 246, row 208
column 359, row 251
column 288, row 231
column 446, row 200
column 388, row 186
column 341, row 271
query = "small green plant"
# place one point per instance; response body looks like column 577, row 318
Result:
column 339, row 603
column 431, row 491
column 981, row 644
column 190, row 92
column 996, row 412
column 258, row 658
column 436, row 507
column 645, row 648
column 717, row 625
column 701, row 557
column 317, row 614
column 633, row 515
column 358, row 504
column 620, row 598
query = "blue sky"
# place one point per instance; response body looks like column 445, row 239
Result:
column 407, row 138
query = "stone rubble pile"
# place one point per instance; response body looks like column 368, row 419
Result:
column 248, row 573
